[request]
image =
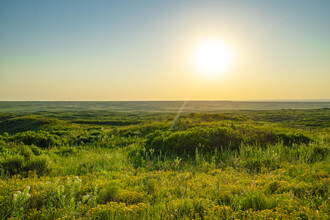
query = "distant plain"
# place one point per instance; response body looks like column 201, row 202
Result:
column 157, row 106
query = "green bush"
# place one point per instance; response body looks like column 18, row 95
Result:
column 274, row 186
column 186, row 142
column 36, row 150
column 42, row 139
column 12, row 164
column 255, row 200
column 26, row 151
column 289, row 139
column 129, row 197
column 109, row 192
column 319, row 153
column 66, row 151
column 209, row 139
column 40, row 164
column 25, row 162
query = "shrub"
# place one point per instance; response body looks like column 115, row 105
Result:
column 12, row 164
column 108, row 193
column 26, row 152
column 18, row 164
column 273, row 186
column 209, row 139
column 289, row 139
column 130, row 197
column 186, row 142
column 42, row 139
column 66, row 151
column 36, row 150
column 40, row 164
column 319, row 153
column 255, row 200
column 90, row 137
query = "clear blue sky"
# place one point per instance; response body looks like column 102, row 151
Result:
column 138, row 50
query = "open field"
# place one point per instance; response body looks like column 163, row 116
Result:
column 156, row 106
column 134, row 164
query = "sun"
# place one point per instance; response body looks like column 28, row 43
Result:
column 212, row 57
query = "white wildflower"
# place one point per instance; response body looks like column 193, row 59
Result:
column 15, row 197
column 28, row 195
column 28, row 187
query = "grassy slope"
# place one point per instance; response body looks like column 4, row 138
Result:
column 32, row 123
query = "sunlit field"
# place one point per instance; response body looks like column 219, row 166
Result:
column 164, row 110
column 261, row 164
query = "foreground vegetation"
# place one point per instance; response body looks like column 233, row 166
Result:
column 108, row 165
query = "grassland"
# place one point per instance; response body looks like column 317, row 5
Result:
column 156, row 106
column 265, row 164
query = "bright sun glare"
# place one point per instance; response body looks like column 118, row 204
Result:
column 212, row 58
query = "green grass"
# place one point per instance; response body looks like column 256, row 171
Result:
column 115, row 165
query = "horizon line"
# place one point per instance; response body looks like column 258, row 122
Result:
column 181, row 100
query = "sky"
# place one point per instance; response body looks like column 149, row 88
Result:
column 77, row 50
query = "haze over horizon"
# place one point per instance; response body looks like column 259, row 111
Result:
column 141, row 50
